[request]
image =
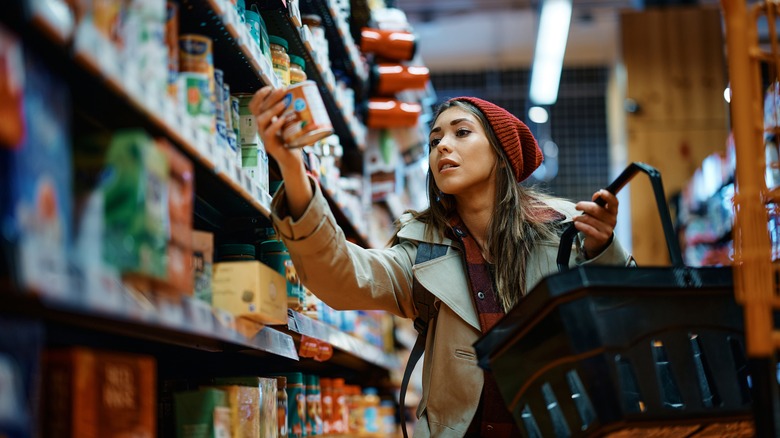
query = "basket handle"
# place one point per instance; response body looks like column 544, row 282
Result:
column 567, row 238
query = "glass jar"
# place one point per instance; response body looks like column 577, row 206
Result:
column 236, row 252
column 280, row 58
column 297, row 69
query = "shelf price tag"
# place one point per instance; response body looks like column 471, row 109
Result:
column 169, row 312
column 169, row 113
column 246, row 182
column 198, row 316
column 225, row 323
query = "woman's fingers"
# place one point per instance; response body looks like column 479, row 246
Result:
column 598, row 222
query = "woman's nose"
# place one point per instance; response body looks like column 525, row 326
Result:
column 443, row 146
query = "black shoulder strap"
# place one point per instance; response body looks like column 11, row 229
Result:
column 426, row 311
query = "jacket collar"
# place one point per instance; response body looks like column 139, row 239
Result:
column 447, row 274
column 443, row 275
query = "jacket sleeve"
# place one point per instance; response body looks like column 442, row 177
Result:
column 342, row 274
column 614, row 254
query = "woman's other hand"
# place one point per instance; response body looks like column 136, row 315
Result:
column 597, row 223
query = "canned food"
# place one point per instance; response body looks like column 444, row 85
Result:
column 306, row 119
column 195, row 54
column 247, row 126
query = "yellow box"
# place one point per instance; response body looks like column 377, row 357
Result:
column 250, row 289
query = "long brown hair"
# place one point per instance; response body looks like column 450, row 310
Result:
column 521, row 219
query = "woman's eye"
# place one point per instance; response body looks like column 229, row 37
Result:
column 434, row 142
column 462, row 132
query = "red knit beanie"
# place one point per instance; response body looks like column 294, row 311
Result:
column 513, row 136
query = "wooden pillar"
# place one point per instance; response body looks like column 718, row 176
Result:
column 675, row 67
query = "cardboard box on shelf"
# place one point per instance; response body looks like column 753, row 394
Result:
column 36, row 196
column 250, row 289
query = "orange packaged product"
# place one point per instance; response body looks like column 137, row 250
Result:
column 395, row 45
column 97, row 394
column 326, row 389
column 391, row 113
column 181, row 193
column 389, row 79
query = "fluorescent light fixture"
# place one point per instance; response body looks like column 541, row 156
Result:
column 538, row 114
column 551, row 39
column 727, row 94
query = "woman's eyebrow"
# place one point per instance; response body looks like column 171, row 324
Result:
column 452, row 123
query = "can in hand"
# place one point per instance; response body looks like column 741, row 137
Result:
column 306, row 119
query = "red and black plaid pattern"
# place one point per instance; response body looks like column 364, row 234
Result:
column 493, row 419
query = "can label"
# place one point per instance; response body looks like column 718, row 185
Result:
column 234, row 114
column 218, row 99
column 247, row 126
column 195, row 54
column 306, row 119
column 296, row 411
column 226, row 108
column 194, row 92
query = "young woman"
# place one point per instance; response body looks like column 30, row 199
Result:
column 501, row 238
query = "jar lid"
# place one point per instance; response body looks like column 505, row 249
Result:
column 370, row 391
column 273, row 39
column 311, row 20
column 273, row 246
column 294, row 59
column 281, row 382
column 231, row 249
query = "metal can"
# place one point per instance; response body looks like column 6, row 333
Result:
column 195, row 54
column 306, row 119
column 195, row 96
column 296, row 405
column 247, row 126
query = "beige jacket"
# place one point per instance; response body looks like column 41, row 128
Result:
column 347, row 276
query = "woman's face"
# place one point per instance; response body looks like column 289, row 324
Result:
column 461, row 159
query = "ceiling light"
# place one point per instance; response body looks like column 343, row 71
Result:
column 550, row 47
column 538, row 114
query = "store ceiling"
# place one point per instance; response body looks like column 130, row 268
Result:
column 464, row 35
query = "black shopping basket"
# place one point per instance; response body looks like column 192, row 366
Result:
column 625, row 352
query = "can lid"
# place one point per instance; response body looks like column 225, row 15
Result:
column 273, row 39
column 311, row 19
column 295, row 59
column 273, row 246
column 230, row 249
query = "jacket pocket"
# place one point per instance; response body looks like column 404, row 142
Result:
column 465, row 354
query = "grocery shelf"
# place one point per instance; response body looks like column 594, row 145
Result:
column 95, row 80
column 191, row 324
column 234, row 51
column 346, row 56
column 299, row 324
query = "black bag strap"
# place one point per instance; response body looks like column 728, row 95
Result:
column 426, row 311
column 564, row 250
